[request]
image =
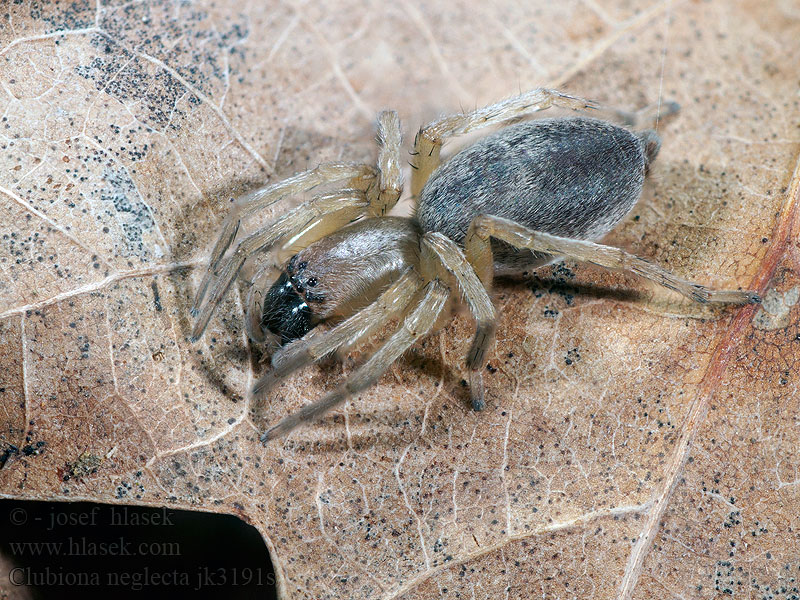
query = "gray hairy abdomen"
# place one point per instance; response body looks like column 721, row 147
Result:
column 572, row 177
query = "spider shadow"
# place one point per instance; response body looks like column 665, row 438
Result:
column 563, row 293
column 371, row 427
column 556, row 280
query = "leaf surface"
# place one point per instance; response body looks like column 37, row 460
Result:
column 633, row 445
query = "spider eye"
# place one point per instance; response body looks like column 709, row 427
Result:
column 285, row 313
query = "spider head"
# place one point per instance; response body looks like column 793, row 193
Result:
column 285, row 312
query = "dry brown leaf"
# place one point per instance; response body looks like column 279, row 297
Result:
column 633, row 446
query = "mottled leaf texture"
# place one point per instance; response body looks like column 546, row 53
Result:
column 634, row 445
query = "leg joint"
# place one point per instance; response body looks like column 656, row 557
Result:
column 483, row 226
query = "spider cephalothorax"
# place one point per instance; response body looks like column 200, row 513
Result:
column 338, row 275
column 515, row 200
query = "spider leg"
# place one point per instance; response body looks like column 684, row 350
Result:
column 416, row 324
column 359, row 176
column 448, row 258
column 348, row 333
column 391, row 176
column 324, row 214
column 485, row 226
column 390, row 179
column 429, row 140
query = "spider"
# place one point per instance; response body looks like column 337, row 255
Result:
column 517, row 199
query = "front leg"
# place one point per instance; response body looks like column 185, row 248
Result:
column 312, row 220
column 417, row 322
column 358, row 176
column 390, row 185
column 347, row 334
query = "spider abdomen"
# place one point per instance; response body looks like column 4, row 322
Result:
column 571, row 177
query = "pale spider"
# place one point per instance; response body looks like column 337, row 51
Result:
column 517, row 199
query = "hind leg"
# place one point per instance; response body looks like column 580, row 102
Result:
column 484, row 227
column 429, row 140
